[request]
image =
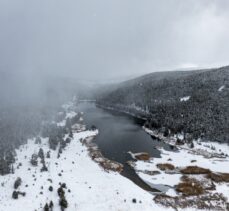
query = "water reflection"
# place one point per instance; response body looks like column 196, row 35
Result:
column 119, row 134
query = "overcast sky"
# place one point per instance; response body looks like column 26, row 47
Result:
column 99, row 39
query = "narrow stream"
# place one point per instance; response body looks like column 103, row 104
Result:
column 118, row 134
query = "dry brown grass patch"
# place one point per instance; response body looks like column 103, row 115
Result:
column 152, row 173
column 206, row 183
column 218, row 177
column 208, row 201
column 111, row 165
column 194, row 170
column 165, row 166
column 143, row 156
column 190, row 188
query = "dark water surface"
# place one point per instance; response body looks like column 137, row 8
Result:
column 118, row 134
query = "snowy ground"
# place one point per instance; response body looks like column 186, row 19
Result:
column 199, row 156
column 90, row 187
column 180, row 159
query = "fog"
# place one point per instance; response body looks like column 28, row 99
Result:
column 105, row 40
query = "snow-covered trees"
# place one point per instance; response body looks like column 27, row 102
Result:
column 34, row 159
column 41, row 154
column 61, row 193
column 38, row 140
column 156, row 97
column 68, row 124
column 7, row 159
column 15, row 195
column 93, row 127
column 63, row 203
column 10, row 156
column 46, row 207
column 17, row 183
column 4, row 167
column 53, row 142
column 44, row 168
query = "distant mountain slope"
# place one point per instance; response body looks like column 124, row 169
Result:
column 28, row 101
column 195, row 102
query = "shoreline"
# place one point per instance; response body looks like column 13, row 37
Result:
column 120, row 111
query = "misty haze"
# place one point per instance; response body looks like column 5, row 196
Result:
column 114, row 105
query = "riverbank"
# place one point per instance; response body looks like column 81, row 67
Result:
column 206, row 161
column 120, row 133
column 97, row 156
column 140, row 114
column 198, row 173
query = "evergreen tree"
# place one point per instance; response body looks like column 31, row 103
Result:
column 70, row 134
column 63, row 203
column 53, row 142
column 41, row 154
column 68, row 124
column 51, row 205
column 38, row 140
column 17, row 183
column 4, row 167
column 33, row 160
column 44, row 168
column 46, row 207
column 9, row 157
column 15, row 195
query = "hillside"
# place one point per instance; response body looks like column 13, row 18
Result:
column 56, row 172
column 193, row 102
column 27, row 101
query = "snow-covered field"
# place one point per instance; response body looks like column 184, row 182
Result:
column 180, row 159
column 166, row 180
column 91, row 188
column 88, row 186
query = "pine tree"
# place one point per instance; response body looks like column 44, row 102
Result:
column 38, row 140
column 12, row 169
column 60, row 192
column 9, row 157
column 63, row 203
column 17, row 183
column 33, row 160
column 15, row 195
column 46, row 207
column 53, row 142
column 4, row 167
column 68, row 124
column 41, row 154
column 44, row 168
column 71, row 134
column 51, row 205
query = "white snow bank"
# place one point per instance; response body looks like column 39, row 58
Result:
column 69, row 115
column 221, row 88
column 184, row 158
column 91, row 187
column 186, row 98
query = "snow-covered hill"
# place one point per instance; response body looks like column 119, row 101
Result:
column 67, row 171
column 87, row 186
column 194, row 102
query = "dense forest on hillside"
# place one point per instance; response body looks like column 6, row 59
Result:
column 193, row 102
column 24, row 110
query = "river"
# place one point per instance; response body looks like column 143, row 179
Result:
column 118, row 134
